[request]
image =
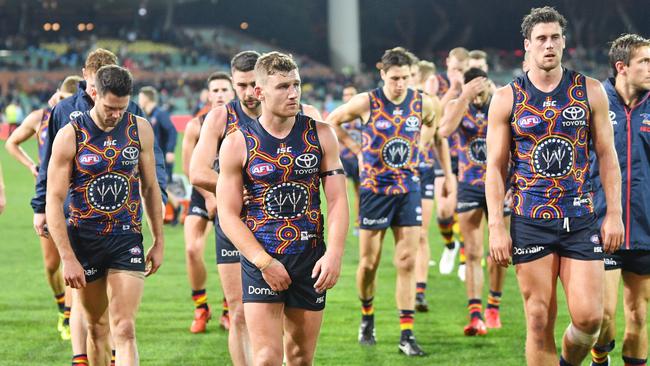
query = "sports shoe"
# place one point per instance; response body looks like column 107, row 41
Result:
column 201, row 318
column 492, row 318
column 367, row 333
column 65, row 332
column 461, row 272
column 606, row 363
column 448, row 258
column 224, row 321
column 409, row 347
column 421, row 304
column 475, row 327
column 60, row 322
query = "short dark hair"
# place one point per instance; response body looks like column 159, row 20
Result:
column 623, row 48
column 546, row 14
column 244, row 61
column 219, row 75
column 397, row 56
column 114, row 79
column 474, row 73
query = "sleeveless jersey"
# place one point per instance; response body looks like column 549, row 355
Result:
column 105, row 182
column 282, row 176
column 472, row 150
column 550, row 152
column 390, row 139
column 353, row 128
column 42, row 133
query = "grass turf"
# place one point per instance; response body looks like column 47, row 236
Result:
column 28, row 312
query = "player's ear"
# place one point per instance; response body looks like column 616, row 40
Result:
column 258, row 92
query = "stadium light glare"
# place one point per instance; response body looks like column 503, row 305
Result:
column 56, row 27
column 142, row 11
column 243, row 25
column 47, row 27
column 90, row 26
column 81, row 27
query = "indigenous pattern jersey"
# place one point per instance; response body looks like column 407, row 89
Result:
column 551, row 148
column 282, row 176
column 472, row 150
column 390, row 140
column 353, row 128
column 236, row 118
column 105, row 182
column 443, row 84
column 42, row 133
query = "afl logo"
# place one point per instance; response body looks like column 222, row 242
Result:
column 286, row 201
column 75, row 114
column 553, row 157
column 307, row 160
column 383, row 124
column 262, row 169
column 528, row 121
column 130, row 153
column 396, row 152
column 478, row 151
column 573, row 113
column 595, row 239
column 108, row 193
column 135, row 251
column 89, row 159
column 412, row 123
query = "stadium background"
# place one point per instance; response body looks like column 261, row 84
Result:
column 173, row 45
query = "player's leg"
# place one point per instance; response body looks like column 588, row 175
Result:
column 635, row 301
column 52, row 264
column 94, row 300
column 423, row 256
column 78, row 330
column 301, row 330
column 194, row 231
column 370, row 243
column 471, row 226
column 538, row 284
column 497, row 277
column 238, row 340
column 267, row 333
column 583, row 285
column 445, row 207
column 124, row 288
column 605, row 344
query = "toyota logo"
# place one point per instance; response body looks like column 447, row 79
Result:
column 307, row 160
column 75, row 114
column 573, row 113
column 130, row 153
column 413, row 122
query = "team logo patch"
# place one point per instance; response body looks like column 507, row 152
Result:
column 528, row 121
column 75, row 114
column 109, row 192
column 383, row 124
column 130, row 153
column 396, row 152
column 574, row 113
column 595, row 239
column 553, row 157
column 262, row 169
column 478, row 151
column 286, row 200
column 89, row 159
column 412, row 123
column 135, row 251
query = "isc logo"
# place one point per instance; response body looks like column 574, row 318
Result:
column 262, row 169
column 136, row 260
column 110, row 142
column 284, row 149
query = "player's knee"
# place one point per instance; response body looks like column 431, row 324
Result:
column 589, row 323
column 585, row 337
column 237, row 318
column 367, row 265
column 194, row 250
column 405, row 262
column 97, row 330
column 268, row 356
column 636, row 318
column 473, row 255
column 537, row 317
column 52, row 266
column 123, row 330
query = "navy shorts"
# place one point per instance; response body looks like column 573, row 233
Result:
column 197, row 205
column 351, row 167
column 99, row 253
column 473, row 197
column 169, row 169
column 226, row 250
column 378, row 211
column 635, row 261
column 438, row 172
column 427, row 177
column 454, row 164
column 300, row 294
column 571, row 237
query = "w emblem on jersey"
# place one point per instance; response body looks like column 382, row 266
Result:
column 553, row 157
column 396, row 152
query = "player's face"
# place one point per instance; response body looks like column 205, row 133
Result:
column 638, row 71
column 348, row 93
column 415, row 75
column 110, row 108
column 142, row 100
column 396, row 79
column 90, row 82
column 545, row 46
column 454, row 65
column 245, row 88
column 479, row 63
column 281, row 93
column 220, row 92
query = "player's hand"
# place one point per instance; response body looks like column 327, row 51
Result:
column 276, row 276
column 169, row 157
column 450, row 186
column 73, row 273
column 34, row 170
column 328, row 270
column 500, row 245
column 611, row 232
column 472, row 89
column 455, row 80
column 40, row 225
column 154, row 259
column 211, row 207
column 508, row 199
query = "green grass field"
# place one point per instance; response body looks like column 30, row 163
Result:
column 28, row 312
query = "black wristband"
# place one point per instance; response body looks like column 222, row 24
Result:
column 332, row 172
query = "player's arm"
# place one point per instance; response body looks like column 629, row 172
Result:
column 230, row 190
column 328, row 268
column 456, row 108
column 498, row 156
column 171, row 136
column 432, row 112
column 311, row 112
column 455, row 87
column 202, row 172
column 60, row 166
column 357, row 107
column 189, row 143
column 27, row 129
column 151, row 195
column 602, row 133
column 430, row 119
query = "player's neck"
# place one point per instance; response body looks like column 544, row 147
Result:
column 546, row 80
column 251, row 113
column 277, row 126
column 99, row 122
column 628, row 93
column 395, row 100
column 148, row 109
